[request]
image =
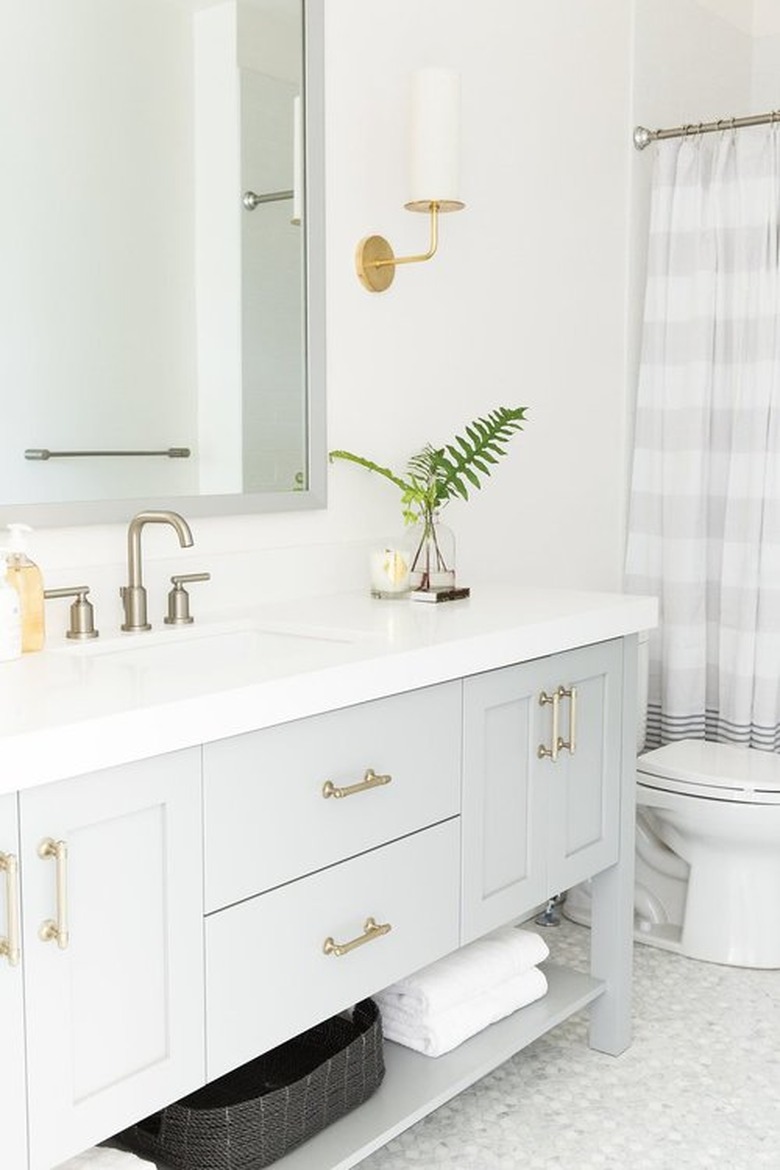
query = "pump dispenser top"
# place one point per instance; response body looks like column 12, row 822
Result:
column 26, row 578
column 17, row 542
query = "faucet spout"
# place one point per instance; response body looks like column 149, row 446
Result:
column 134, row 594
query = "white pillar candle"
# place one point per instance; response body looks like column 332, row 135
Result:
column 389, row 568
column 435, row 134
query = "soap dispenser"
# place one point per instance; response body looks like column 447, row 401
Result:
column 25, row 576
column 10, row 616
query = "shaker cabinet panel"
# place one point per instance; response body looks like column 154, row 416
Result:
column 504, row 844
column 13, row 1105
column 288, row 800
column 269, row 974
column 112, row 863
column 541, row 806
column 585, row 788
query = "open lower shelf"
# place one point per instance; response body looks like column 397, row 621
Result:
column 415, row 1085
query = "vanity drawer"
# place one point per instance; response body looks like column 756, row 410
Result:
column 267, row 820
column 267, row 974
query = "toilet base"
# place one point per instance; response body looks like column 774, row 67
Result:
column 665, row 935
column 669, row 936
column 727, row 913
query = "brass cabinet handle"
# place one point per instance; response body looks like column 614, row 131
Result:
column 551, row 752
column 371, row 930
column 9, row 946
column 570, row 744
column 56, row 930
column 370, row 780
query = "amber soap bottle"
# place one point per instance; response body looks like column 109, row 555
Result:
column 26, row 578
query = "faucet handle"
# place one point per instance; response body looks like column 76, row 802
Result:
column 82, row 612
column 179, row 598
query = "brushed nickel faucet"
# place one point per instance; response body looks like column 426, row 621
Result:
column 133, row 594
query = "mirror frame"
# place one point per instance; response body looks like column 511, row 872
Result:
column 82, row 512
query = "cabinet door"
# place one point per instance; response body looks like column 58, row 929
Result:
column 583, row 785
column 503, row 819
column 115, row 1008
column 541, row 811
column 13, row 1106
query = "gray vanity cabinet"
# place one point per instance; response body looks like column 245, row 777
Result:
column 13, row 1107
column 542, row 776
column 113, row 955
column 226, row 897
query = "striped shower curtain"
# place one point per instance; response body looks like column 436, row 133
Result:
column 704, row 525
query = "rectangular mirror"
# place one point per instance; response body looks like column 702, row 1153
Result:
column 161, row 291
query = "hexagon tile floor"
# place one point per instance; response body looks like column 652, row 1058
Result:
column 698, row 1089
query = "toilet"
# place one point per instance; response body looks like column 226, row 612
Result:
column 707, row 850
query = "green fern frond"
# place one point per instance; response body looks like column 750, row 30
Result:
column 438, row 474
column 370, row 466
column 457, row 467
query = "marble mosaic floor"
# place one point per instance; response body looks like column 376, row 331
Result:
column 698, row 1089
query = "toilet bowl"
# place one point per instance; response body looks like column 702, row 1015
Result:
column 715, row 808
column 707, row 851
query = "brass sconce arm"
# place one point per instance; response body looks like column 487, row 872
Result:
column 375, row 260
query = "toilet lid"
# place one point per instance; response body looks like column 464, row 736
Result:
column 717, row 770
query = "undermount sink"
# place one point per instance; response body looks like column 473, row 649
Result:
column 204, row 645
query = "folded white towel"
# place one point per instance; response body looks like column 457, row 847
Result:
column 104, row 1158
column 468, row 971
column 439, row 1032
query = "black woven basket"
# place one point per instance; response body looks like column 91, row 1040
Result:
column 256, row 1114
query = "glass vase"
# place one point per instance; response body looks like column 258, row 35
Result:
column 433, row 558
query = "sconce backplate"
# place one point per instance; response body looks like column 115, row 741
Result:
column 368, row 252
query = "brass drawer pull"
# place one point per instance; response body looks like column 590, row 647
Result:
column 56, row 930
column 372, row 930
column 9, row 946
column 370, row 780
column 552, row 751
column 570, row 744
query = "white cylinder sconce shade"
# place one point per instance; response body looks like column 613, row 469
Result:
column 435, row 140
column 434, row 173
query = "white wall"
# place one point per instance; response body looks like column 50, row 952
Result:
column 766, row 18
column 766, row 56
column 529, row 301
column 524, row 304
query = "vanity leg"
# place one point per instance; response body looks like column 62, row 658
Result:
column 612, row 923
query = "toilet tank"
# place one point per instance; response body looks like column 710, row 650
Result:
column 643, row 680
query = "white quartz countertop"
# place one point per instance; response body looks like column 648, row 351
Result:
column 75, row 708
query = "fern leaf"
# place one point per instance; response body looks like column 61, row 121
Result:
column 485, row 443
column 437, row 474
column 370, row 466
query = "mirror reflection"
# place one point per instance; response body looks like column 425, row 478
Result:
column 154, row 315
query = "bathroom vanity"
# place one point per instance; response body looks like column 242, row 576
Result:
column 187, row 815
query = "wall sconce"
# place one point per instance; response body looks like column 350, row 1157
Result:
column 435, row 173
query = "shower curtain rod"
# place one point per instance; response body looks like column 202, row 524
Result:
column 643, row 137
